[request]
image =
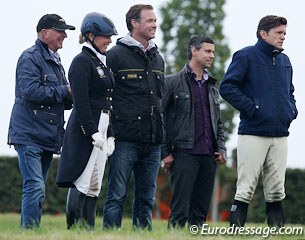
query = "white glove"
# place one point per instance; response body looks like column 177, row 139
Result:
column 110, row 146
column 98, row 140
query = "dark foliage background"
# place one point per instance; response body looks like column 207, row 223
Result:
column 55, row 203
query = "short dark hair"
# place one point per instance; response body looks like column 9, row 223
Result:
column 268, row 22
column 196, row 42
column 134, row 12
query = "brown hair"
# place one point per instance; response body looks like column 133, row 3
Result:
column 134, row 12
column 268, row 22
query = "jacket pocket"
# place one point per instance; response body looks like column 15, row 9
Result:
column 182, row 101
column 131, row 81
column 160, row 82
column 128, row 124
column 50, row 80
column 291, row 114
column 45, row 127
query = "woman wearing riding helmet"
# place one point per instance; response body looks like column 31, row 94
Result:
column 89, row 137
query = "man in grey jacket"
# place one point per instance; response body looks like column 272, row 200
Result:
column 194, row 135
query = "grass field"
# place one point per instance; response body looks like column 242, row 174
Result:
column 54, row 228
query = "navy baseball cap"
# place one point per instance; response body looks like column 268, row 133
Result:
column 53, row 21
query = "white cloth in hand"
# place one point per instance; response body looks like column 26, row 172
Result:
column 98, row 139
column 110, row 146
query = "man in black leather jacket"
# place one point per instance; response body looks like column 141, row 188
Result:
column 194, row 135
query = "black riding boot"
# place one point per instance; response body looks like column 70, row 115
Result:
column 75, row 207
column 90, row 211
column 238, row 213
column 275, row 214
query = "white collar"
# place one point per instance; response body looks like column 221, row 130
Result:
column 101, row 57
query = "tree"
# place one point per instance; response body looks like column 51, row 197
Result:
column 181, row 20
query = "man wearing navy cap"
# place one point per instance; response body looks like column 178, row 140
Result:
column 42, row 93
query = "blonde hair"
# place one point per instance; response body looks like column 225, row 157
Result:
column 82, row 38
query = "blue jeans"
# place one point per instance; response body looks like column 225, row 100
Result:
column 34, row 165
column 143, row 160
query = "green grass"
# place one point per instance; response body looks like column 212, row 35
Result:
column 54, row 228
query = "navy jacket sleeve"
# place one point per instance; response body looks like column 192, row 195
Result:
column 230, row 86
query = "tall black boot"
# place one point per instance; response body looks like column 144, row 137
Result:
column 75, row 207
column 238, row 213
column 90, row 211
column 275, row 214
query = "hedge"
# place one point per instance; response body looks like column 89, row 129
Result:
column 55, row 202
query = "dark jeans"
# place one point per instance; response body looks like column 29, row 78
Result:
column 34, row 165
column 192, row 178
column 144, row 161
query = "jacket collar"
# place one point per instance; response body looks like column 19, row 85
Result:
column 187, row 71
column 267, row 48
column 130, row 41
column 44, row 49
column 101, row 57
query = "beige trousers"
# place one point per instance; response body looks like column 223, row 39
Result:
column 90, row 181
column 261, row 155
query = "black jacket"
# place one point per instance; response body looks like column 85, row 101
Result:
column 139, row 80
column 92, row 86
column 179, row 113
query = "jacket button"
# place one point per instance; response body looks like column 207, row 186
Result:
column 41, row 106
column 151, row 92
column 256, row 106
column 139, row 118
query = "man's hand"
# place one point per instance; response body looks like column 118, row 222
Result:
column 167, row 162
column 219, row 158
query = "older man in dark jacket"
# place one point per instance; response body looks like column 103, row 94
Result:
column 37, row 120
column 194, row 135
